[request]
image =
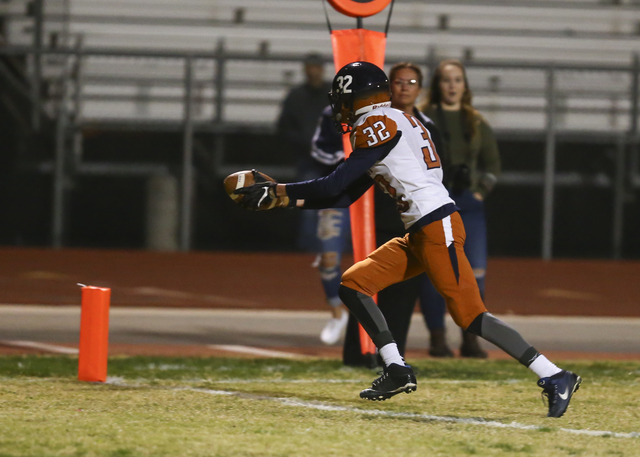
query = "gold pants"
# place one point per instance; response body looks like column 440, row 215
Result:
column 438, row 250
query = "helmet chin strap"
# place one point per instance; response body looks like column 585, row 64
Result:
column 366, row 109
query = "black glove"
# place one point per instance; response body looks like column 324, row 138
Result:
column 258, row 196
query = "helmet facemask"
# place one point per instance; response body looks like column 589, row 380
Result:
column 347, row 109
column 342, row 108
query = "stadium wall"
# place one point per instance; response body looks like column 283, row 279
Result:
column 109, row 211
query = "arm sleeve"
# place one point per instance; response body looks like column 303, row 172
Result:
column 326, row 145
column 346, row 173
column 490, row 157
column 352, row 193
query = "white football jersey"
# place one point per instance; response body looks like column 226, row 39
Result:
column 411, row 173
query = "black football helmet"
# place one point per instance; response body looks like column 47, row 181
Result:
column 356, row 89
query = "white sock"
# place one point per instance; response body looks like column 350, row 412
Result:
column 390, row 354
column 543, row 367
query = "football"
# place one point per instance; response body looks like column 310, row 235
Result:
column 245, row 179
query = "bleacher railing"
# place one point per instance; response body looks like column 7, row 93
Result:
column 552, row 106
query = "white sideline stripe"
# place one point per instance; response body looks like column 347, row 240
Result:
column 427, row 417
column 283, row 381
column 377, row 412
column 318, row 381
column 325, row 381
column 255, row 351
column 42, row 346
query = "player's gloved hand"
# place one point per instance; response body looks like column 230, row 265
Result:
column 258, row 196
column 262, row 196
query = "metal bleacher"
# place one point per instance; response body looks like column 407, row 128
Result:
column 537, row 70
column 151, row 88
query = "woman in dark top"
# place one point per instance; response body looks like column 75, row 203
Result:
column 471, row 167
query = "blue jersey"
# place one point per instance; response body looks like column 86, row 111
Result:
column 326, row 145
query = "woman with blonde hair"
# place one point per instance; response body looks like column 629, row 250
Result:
column 471, row 167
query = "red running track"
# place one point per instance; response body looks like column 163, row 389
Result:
column 287, row 281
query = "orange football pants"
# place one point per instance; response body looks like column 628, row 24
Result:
column 438, row 250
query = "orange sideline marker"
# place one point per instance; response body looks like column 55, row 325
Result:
column 350, row 46
column 94, row 334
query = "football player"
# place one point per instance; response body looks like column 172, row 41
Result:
column 333, row 235
column 393, row 150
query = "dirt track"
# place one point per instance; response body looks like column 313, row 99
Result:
column 287, row 281
column 156, row 350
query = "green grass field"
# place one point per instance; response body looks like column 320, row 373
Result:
column 258, row 407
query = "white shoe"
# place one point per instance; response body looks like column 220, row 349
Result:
column 333, row 330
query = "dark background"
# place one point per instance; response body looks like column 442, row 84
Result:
column 109, row 212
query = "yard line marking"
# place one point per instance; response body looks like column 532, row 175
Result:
column 345, row 381
column 294, row 402
column 316, row 381
column 42, row 346
column 255, row 351
column 427, row 417
column 278, row 381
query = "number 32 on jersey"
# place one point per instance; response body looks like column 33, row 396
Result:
column 374, row 131
column 431, row 157
column 377, row 130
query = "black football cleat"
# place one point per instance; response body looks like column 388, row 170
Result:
column 395, row 379
column 559, row 389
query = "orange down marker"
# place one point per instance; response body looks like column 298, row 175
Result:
column 94, row 334
column 351, row 46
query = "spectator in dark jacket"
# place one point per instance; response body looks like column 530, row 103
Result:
column 298, row 119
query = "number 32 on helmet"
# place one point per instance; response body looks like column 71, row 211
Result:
column 357, row 88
